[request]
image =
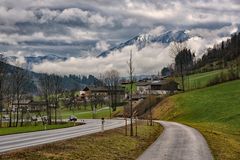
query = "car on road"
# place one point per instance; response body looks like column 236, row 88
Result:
column 72, row 118
column 34, row 119
column 5, row 118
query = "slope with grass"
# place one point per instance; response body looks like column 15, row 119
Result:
column 200, row 80
column 214, row 111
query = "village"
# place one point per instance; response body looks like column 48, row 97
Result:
column 88, row 100
column 119, row 80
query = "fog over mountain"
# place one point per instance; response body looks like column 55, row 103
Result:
column 150, row 53
column 88, row 37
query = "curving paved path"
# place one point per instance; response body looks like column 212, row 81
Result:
column 22, row 140
column 178, row 142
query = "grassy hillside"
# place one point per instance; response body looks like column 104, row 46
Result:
column 200, row 80
column 215, row 111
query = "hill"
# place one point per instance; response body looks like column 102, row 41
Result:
column 215, row 111
column 201, row 80
column 221, row 55
column 68, row 82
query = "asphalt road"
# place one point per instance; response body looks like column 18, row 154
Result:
column 17, row 141
column 178, row 142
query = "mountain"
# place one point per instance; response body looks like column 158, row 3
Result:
column 40, row 59
column 30, row 60
column 143, row 40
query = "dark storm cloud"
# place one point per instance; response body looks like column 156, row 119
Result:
column 75, row 27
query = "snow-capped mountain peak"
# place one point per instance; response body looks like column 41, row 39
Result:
column 144, row 39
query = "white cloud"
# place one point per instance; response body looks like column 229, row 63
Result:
column 157, row 30
column 102, row 45
column 128, row 22
column 148, row 60
column 93, row 19
column 75, row 35
column 111, row 21
column 48, row 15
column 15, row 15
column 207, row 38
column 80, row 34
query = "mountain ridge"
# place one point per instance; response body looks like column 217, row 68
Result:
column 144, row 39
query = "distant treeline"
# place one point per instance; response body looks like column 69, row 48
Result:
column 70, row 82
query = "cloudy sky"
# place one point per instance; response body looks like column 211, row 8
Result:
column 80, row 30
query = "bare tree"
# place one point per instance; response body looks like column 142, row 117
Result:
column 9, row 96
column 131, row 70
column 183, row 59
column 20, row 77
column 56, row 90
column 175, row 48
column 111, row 81
column 2, row 75
column 51, row 88
column 45, row 90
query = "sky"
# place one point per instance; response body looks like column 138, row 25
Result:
column 80, row 30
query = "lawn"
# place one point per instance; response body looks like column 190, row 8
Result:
column 32, row 128
column 87, row 114
column 110, row 145
column 200, row 80
column 215, row 111
column 80, row 114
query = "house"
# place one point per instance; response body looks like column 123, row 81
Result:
column 89, row 91
column 143, row 87
column 160, row 87
column 36, row 106
column 103, row 92
column 30, row 105
column 163, row 87
column 21, row 104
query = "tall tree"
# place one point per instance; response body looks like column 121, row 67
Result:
column 183, row 63
column 175, row 48
column 20, row 78
column 9, row 96
column 56, row 91
column 2, row 75
column 131, row 70
column 45, row 85
column 111, row 80
column 165, row 71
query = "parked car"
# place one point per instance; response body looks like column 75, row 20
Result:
column 34, row 119
column 6, row 118
column 72, row 118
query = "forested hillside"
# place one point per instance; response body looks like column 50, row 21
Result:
column 69, row 82
column 221, row 55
